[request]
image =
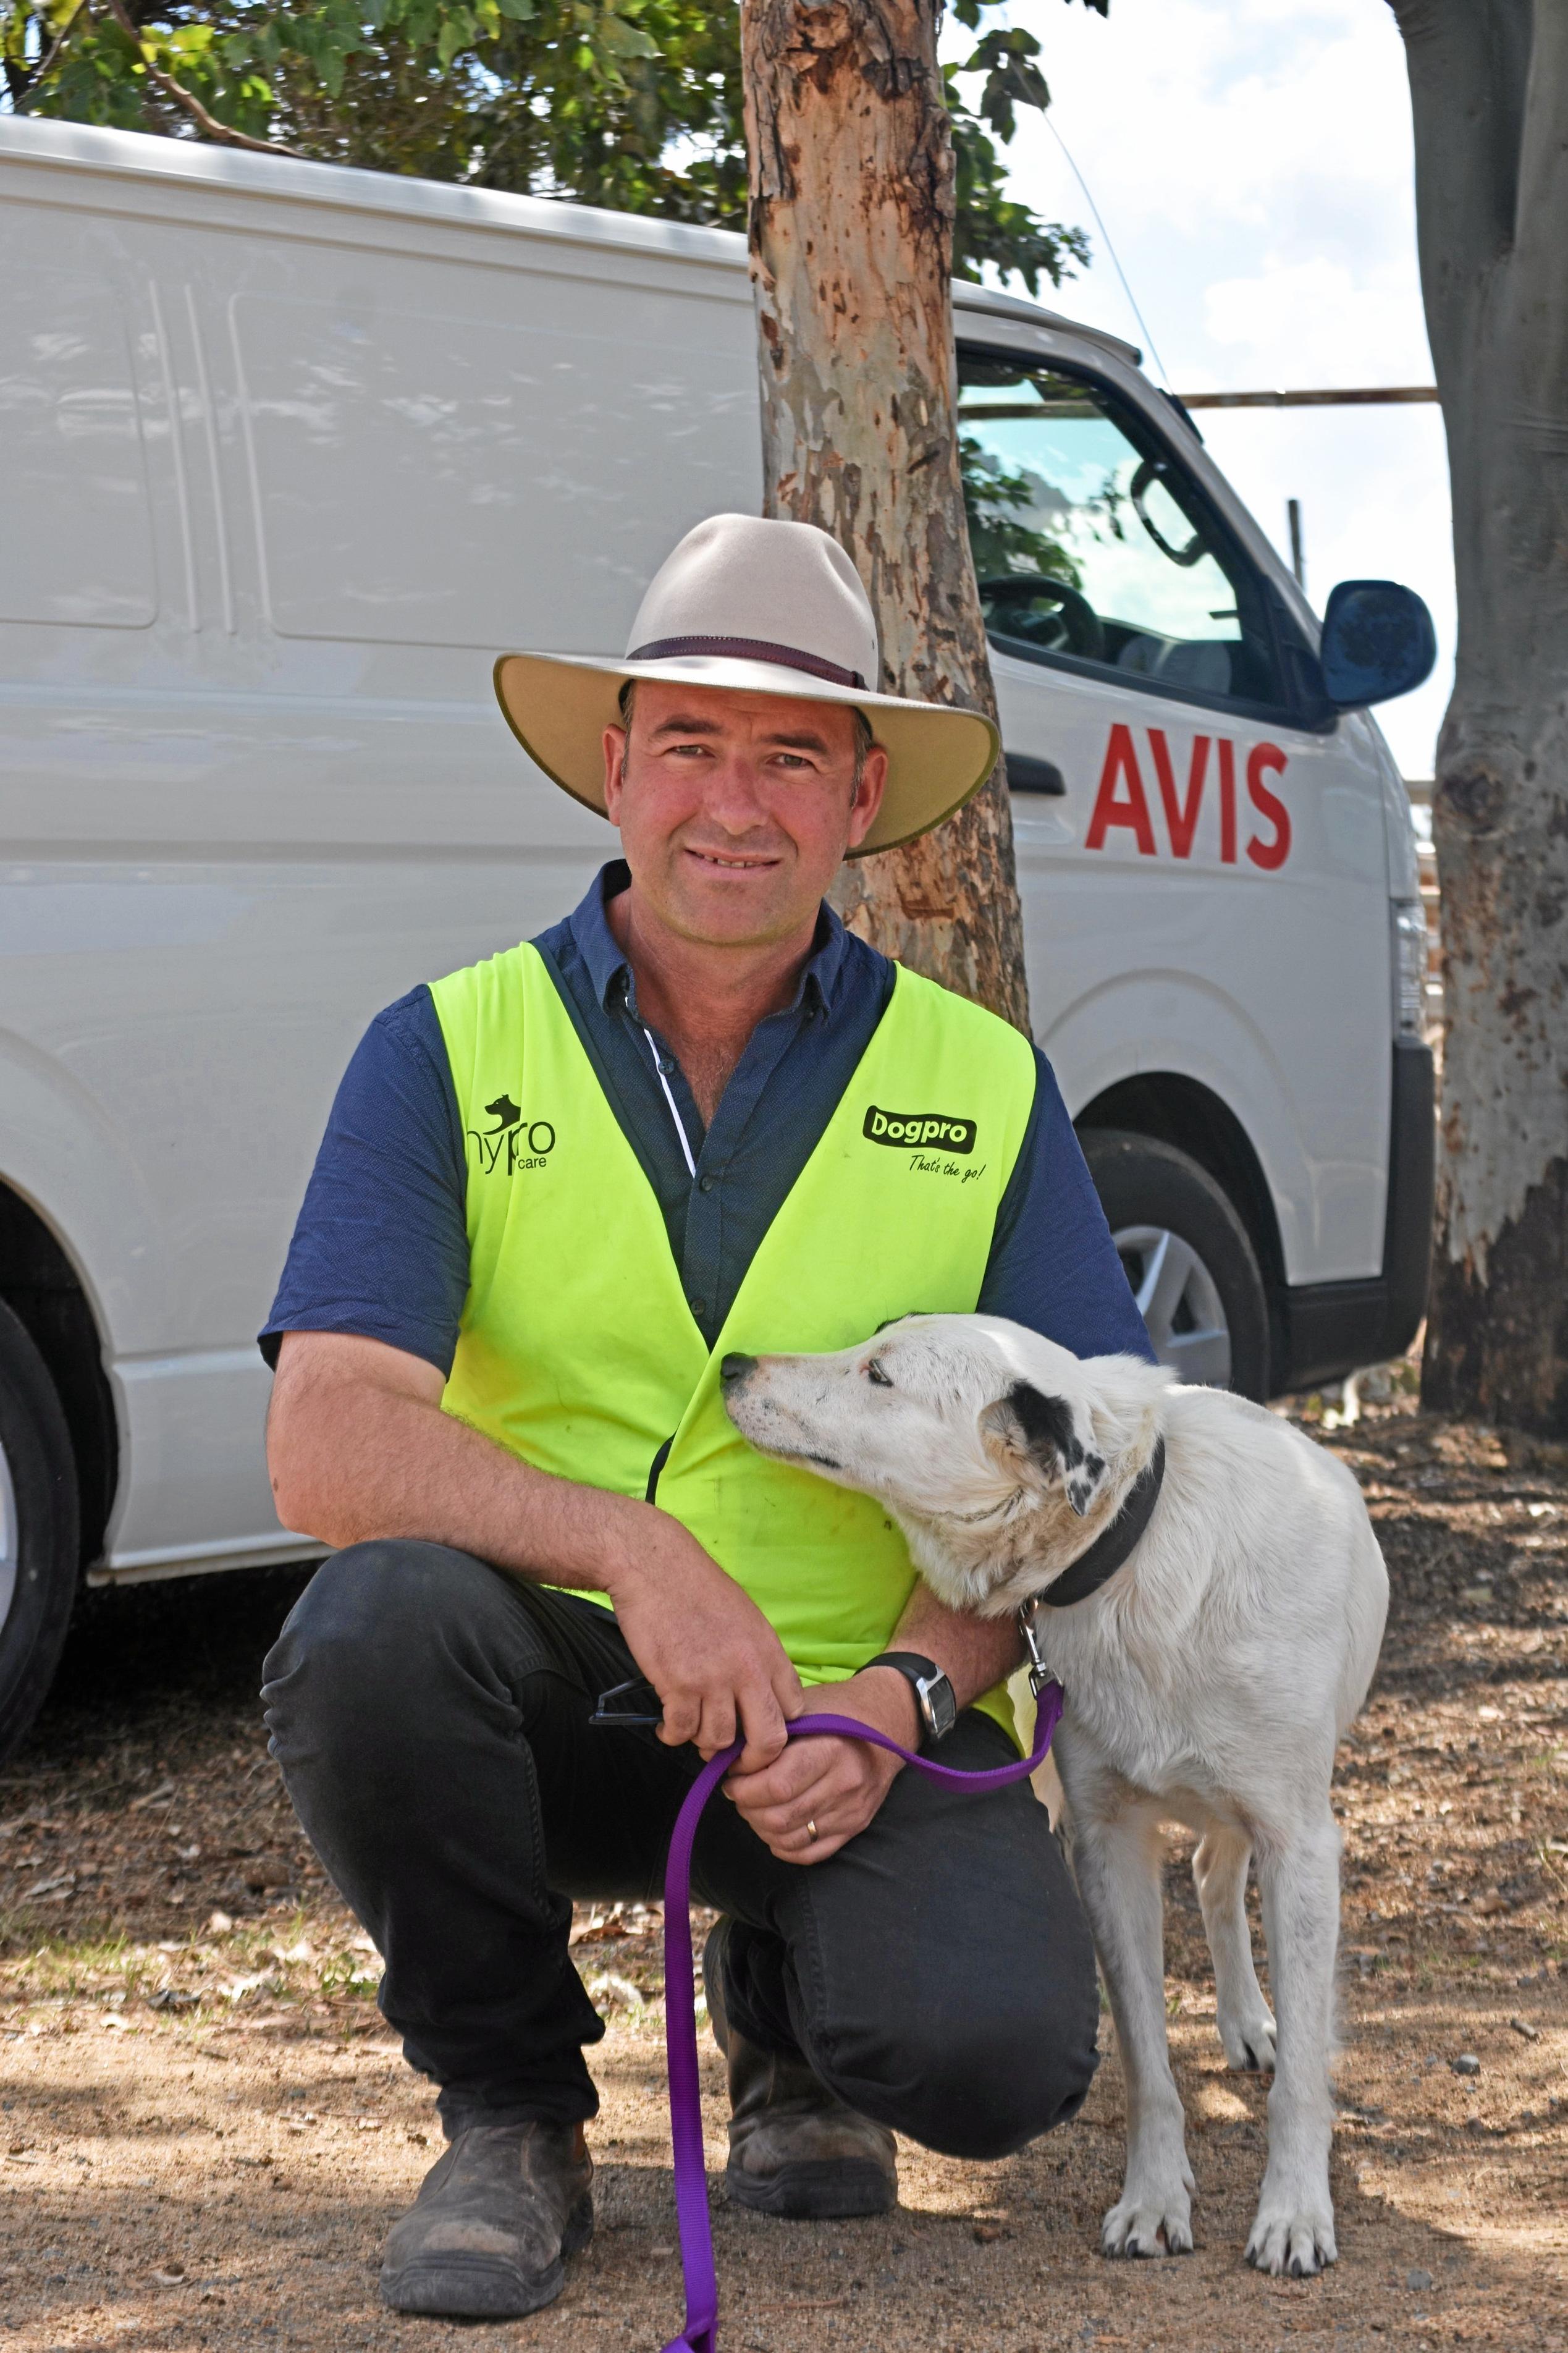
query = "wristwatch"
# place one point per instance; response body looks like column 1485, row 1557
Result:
column 933, row 1693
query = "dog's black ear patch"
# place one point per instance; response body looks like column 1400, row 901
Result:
column 1084, row 1484
column 1053, row 1444
column 1046, row 1424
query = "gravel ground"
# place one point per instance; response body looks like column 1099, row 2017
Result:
column 207, row 2128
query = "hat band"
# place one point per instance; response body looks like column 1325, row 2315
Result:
column 749, row 649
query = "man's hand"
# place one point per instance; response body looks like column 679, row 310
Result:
column 716, row 1663
column 835, row 1784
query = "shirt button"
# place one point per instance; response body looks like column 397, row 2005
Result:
column 698, row 1306
column 705, row 1184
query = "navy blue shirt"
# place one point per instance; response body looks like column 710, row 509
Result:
column 380, row 1246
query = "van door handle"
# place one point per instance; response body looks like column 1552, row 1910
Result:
column 1028, row 776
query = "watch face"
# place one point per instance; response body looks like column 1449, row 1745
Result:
column 938, row 1705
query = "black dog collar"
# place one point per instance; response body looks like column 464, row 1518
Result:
column 1111, row 1546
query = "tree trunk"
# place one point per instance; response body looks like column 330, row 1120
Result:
column 851, row 244
column 1488, row 84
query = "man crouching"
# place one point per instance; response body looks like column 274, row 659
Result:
column 557, row 1188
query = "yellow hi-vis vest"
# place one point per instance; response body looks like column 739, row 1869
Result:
column 579, row 1353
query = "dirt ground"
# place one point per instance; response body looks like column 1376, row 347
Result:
column 206, row 2127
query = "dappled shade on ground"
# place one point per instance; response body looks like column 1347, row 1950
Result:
column 206, row 2127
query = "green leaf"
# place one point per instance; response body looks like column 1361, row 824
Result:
column 623, row 40
column 456, row 34
column 188, row 44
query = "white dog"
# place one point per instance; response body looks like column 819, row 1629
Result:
column 1207, row 1681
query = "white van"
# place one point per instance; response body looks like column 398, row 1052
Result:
column 289, row 453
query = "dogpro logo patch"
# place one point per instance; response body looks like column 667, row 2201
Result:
column 918, row 1131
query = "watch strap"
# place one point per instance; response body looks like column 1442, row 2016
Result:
column 908, row 1662
column 931, row 1685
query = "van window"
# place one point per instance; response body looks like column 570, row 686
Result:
column 1094, row 549
column 75, row 536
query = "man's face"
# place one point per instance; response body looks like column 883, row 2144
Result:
column 735, row 809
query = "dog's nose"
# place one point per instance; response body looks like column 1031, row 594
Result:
column 735, row 1367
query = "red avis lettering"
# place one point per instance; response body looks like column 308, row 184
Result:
column 1180, row 816
column 1121, row 801
column 1131, row 810
column 1263, row 759
column 1226, row 801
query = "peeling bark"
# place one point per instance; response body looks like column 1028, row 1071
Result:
column 851, row 251
column 1488, row 84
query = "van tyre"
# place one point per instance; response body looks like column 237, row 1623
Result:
column 40, row 1543
column 1189, row 1258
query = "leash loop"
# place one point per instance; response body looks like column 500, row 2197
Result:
column 700, row 2334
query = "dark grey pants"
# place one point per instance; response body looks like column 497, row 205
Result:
column 431, row 1718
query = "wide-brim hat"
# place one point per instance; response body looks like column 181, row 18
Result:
column 760, row 608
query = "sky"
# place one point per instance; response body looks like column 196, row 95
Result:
column 1251, row 161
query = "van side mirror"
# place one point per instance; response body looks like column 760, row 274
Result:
column 1378, row 641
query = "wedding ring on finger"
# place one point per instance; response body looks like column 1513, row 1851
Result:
column 811, row 1833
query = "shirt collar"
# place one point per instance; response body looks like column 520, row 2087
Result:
column 605, row 963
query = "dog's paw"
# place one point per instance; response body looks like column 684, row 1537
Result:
column 1292, row 2244
column 1250, row 2041
column 1156, row 2225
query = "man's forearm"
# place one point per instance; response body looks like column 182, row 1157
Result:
column 356, row 1461
column 359, row 1449
column 972, row 1652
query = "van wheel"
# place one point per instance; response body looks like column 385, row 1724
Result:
column 38, row 1539
column 1189, row 1258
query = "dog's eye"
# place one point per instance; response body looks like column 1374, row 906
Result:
column 874, row 1373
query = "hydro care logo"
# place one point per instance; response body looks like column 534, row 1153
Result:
column 513, row 1143
column 918, row 1131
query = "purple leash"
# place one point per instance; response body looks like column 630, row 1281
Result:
column 700, row 2334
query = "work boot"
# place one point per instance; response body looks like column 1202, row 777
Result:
column 485, row 2237
column 795, row 2148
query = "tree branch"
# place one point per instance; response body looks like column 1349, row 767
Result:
column 222, row 131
